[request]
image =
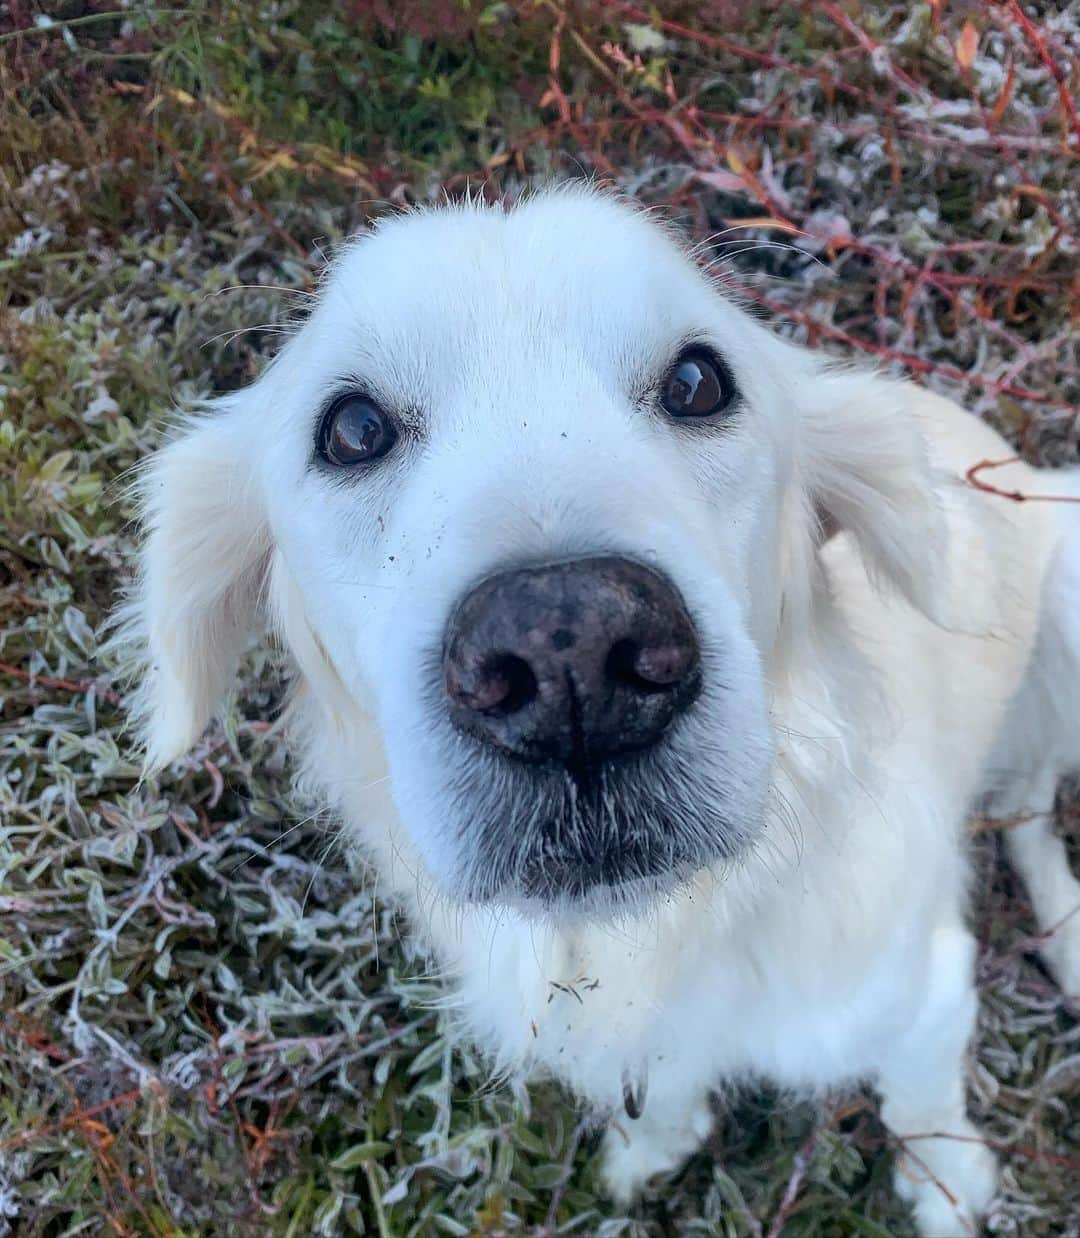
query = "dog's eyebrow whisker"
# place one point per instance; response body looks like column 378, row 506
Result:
column 714, row 241
column 317, row 247
column 708, row 242
column 283, row 288
column 750, row 247
column 728, row 258
column 271, row 328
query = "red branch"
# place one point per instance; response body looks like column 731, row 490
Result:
column 918, row 365
column 1001, row 1145
column 67, row 685
column 1056, row 71
column 1017, row 496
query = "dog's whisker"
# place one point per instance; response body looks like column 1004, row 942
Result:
column 269, row 328
column 337, row 841
column 260, row 851
column 283, row 288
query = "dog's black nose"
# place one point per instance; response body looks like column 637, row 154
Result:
column 572, row 661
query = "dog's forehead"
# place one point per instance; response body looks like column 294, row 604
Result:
column 571, row 266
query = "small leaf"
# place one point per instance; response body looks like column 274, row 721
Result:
column 54, row 467
column 326, row 1215
column 359, row 1153
column 95, row 904
column 79, row 630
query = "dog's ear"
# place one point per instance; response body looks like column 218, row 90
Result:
column 203, row 568
column 865, row 470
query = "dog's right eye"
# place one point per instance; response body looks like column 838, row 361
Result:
column 698, row 385
column 355, row 430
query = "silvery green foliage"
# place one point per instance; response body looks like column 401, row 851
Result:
column 208, row 1022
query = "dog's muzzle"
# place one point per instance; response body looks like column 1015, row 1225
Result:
column 571, row 663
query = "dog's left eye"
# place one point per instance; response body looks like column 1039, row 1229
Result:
column 697, row 386
column 354, row 431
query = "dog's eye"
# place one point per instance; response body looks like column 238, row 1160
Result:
column 354, row 431
column 697, row 386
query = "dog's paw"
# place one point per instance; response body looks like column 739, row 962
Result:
column 949, row 1184
column 635, row 1151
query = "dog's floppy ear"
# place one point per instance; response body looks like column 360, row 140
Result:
column 203, row 566
column 865, row 470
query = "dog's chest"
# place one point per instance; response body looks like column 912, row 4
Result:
column 798, row 998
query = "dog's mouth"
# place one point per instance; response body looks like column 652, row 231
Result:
column 557, row 839
column 609, row 860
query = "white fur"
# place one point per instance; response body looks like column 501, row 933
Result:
column 874, row 685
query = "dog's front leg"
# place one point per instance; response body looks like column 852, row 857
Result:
column 944, row 1169
column 670, row 1125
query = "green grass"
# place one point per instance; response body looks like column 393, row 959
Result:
column 208, row 1026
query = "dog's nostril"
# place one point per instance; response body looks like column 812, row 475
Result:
column 649, row 668
column 621, row 665
column 520, row 681
column 501, row 685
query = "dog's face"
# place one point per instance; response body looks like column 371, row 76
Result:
column 526, row 483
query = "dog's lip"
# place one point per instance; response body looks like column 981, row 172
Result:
column 597, row 900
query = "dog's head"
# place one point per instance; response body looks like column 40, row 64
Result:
column 526, row 488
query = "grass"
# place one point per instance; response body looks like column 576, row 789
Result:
column 208, row 1026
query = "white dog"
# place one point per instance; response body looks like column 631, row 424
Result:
column 648, row 656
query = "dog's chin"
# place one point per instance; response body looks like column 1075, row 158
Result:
column 541, row 842
column 568, row 899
